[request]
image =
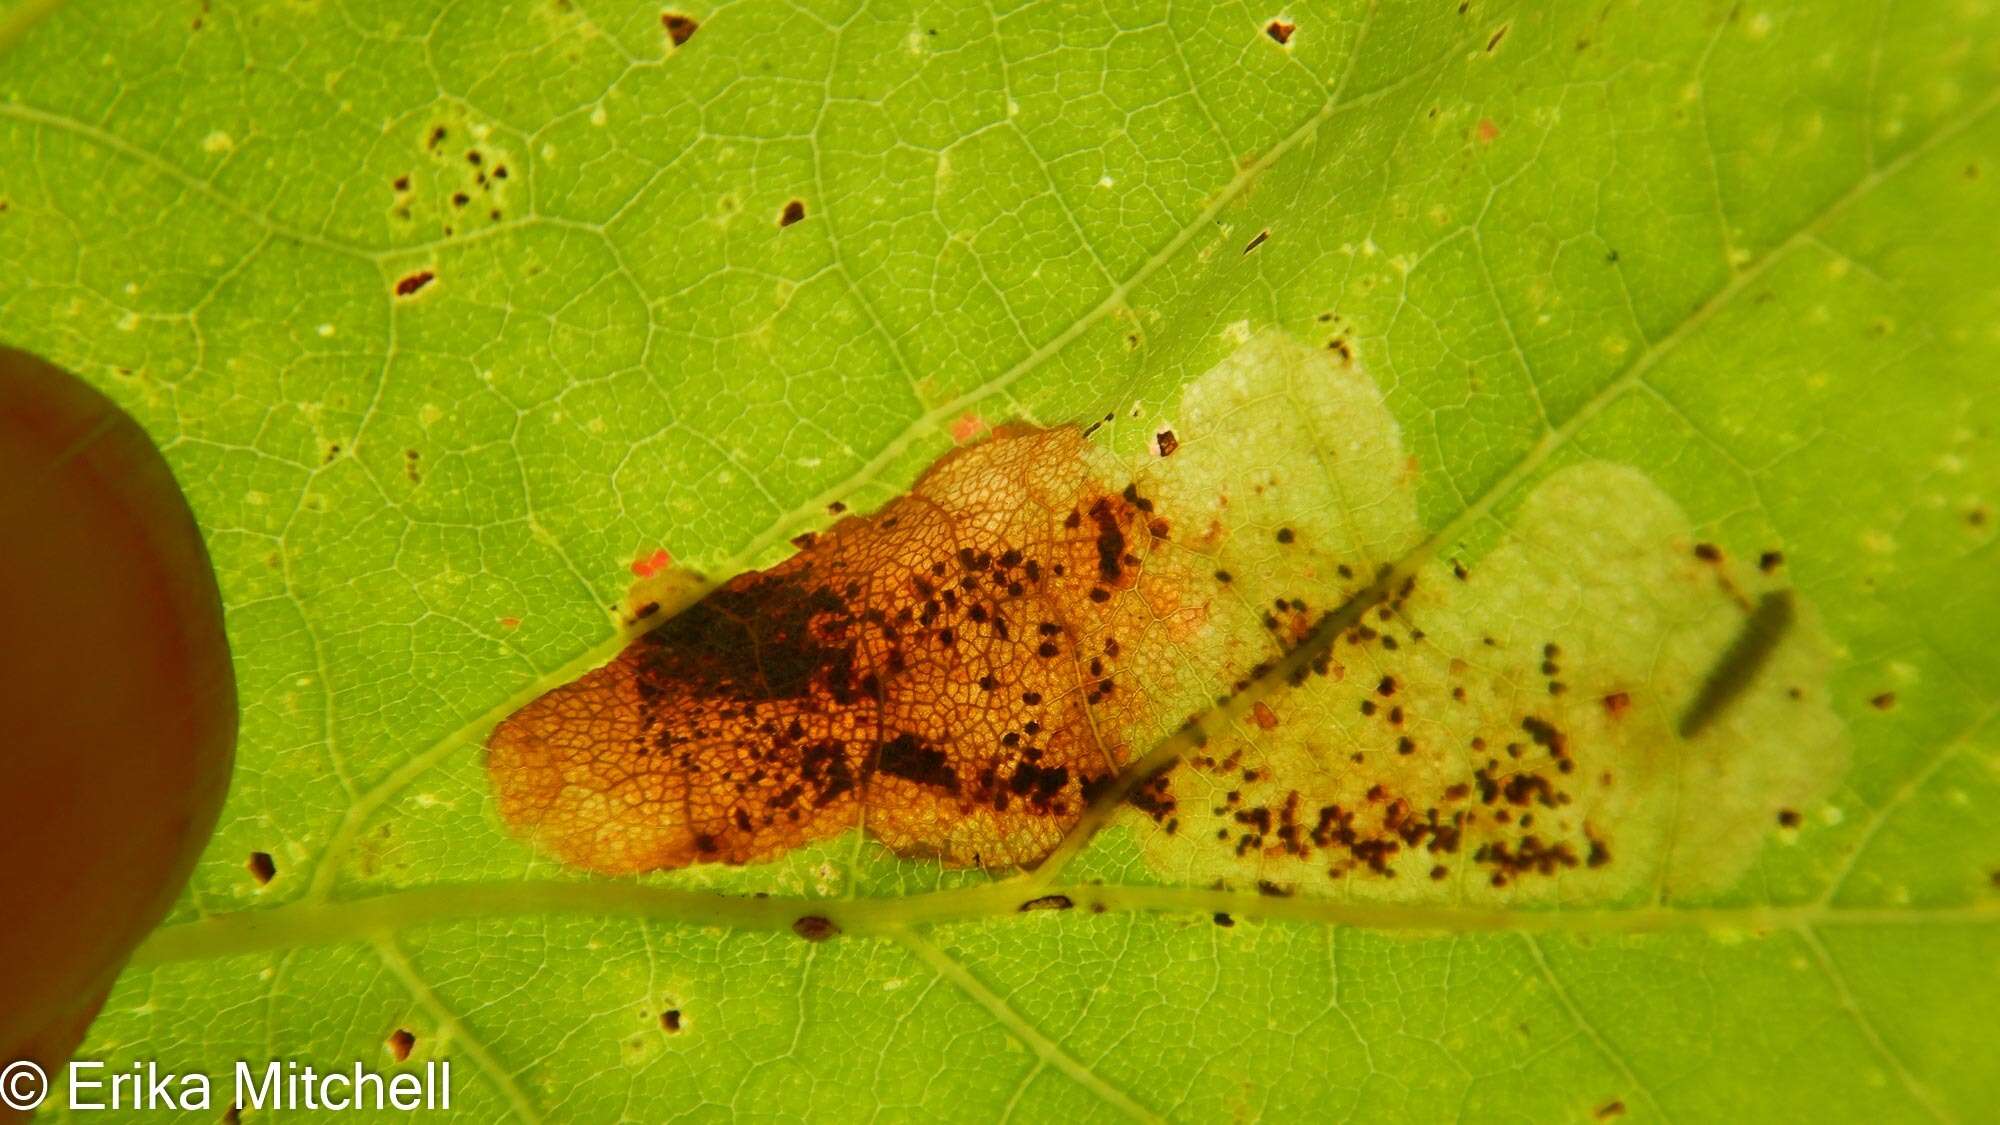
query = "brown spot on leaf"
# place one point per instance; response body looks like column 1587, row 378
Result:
column 411, row 282
column 1886, row 701
column 670, row 1020
column 793, row 212
column 1280, row 31
column 680, row 27
column 262, row 868
column 1048, row 902
column 966, row 427
column 815, row 927
column 400, row 1043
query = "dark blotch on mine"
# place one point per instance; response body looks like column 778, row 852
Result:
column 909, row 757
column 754, row 640
column 1047, row 902
column 815, row 927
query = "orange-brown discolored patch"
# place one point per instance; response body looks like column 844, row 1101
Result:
column 947, row 672
column 1263, row 716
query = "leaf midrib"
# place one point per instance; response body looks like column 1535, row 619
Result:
column 359, row 919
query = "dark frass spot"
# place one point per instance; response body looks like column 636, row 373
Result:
column 1280, row 31
column 262, row 868
column 680, row 27
column 1165, row 443
column 815, row 927
column 400, row 1043
column 411, row 282
column 1048, row 902
column 1257, row 240
column 670, row 1020
column 793, row 212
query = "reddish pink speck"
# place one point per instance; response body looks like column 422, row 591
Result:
column 967, row 427
column 510, row 623
column 652, row 564
column 1487, row 131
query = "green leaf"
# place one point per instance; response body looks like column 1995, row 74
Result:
column 1745, row 252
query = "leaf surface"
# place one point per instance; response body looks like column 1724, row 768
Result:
column 451, row 321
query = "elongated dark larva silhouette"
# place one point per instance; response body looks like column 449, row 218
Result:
column 1732, row 675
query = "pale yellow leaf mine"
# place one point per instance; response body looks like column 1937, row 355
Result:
column 1219, row 647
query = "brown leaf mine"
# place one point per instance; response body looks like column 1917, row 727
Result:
column 957, row 672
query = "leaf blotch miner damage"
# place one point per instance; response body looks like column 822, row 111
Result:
column 951, row 670
column 1321, row 706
